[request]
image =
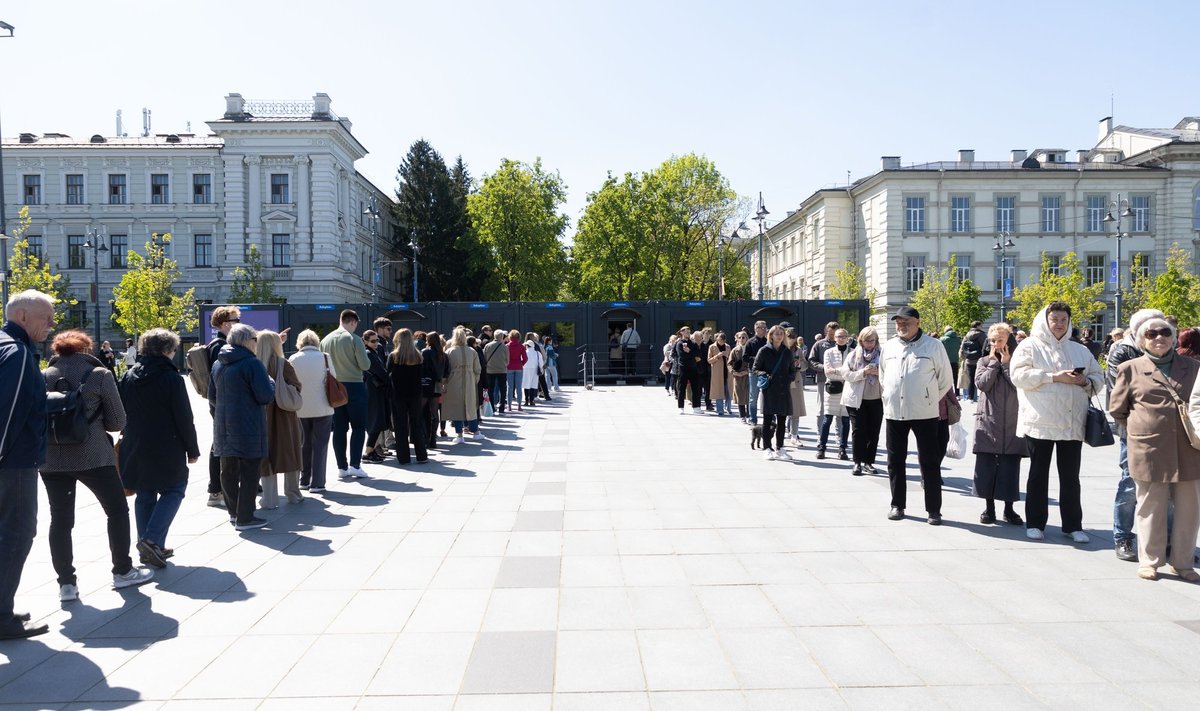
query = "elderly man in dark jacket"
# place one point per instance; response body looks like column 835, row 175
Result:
column 239, row 391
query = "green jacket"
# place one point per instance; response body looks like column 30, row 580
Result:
column 347, row 354
column 952, row 341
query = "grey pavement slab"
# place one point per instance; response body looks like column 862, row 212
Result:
column 573, row 563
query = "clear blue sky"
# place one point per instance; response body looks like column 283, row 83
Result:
column 785, row 97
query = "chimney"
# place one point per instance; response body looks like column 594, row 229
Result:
column 1081, row 155
column 1105, row 127
column 1019, row 155
column 966, row 155
column 235, row 106
column 890, row 162
column 321, row 104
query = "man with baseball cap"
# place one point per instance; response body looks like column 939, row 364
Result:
column 914, row 373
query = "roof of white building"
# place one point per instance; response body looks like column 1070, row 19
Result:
column 162, row 140
column 1186, row 131
column 1008, row 165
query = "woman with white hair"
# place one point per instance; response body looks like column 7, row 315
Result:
column 315, row 413
column 284, row 436
column 1146, row 399
column 460, row 402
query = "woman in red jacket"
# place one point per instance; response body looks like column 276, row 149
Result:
column 516, row 363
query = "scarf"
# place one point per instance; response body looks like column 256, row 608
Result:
column 1163, row 363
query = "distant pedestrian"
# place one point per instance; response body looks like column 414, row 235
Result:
column 516, row 366
column 953, row 343
column 495, row 358
column 108, row 357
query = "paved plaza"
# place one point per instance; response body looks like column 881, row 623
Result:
column 603, row 553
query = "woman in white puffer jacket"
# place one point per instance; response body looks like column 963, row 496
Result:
column 529, row 375
column 1055, row 377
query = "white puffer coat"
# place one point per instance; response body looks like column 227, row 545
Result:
column 1046, row 409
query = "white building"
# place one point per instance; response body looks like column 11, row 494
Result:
column 905, row 219
column 278, row 175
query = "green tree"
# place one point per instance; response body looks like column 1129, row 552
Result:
column 850, row 282
column 515, row 216
column 963, row 306
column 145, row 298
column 1177, row 290
column 1141, row 286
column 251, row 284
column 27, row 271
column 932, row 298
column 1066, row 284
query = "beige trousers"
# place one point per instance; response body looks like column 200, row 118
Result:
column 1153, row 503
column 270, row 486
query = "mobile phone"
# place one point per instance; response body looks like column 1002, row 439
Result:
column 1079, row 371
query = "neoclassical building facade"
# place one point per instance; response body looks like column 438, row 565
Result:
column 905, row 219
column 275, row 175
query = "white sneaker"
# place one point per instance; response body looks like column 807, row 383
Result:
column 681, row 411
column 357, row 473
column 68, row 592
column 217, row 501
column 1034, row 534
column 1080, row 537
column 695, row 411
column 135, row 577
column 771, row 455
column 345, row 475
column 459, row 439
column 784, row 455
column 478, row 436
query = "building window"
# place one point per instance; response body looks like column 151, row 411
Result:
column 1055, row 264
column 962, row 267
column 281, row 250
column 1006, row 268
column 914, row 214
column 33, row 190
column 119, row 249
column 204, row 251
column 279, row 189
column 1096, row 210
column 1096, row 267
column 1196, row 208
column 202, row 189
column 1051, row 213
column 1139, row 205
column 960, row 213
column 1097, row 327
column 75, row 253
column 74, row 188
column 158, row 189
column 1006, row 213
column 1140, row 264
column 116, row 190
column 914, row 271
column 37, row 246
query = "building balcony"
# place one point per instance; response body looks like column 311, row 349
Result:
column 279, row 274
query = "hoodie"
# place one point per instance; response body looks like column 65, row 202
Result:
column 1046, row 409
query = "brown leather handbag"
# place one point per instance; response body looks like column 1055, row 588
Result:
column 335, row 392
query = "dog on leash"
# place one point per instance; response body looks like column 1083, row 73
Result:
column 756, row 437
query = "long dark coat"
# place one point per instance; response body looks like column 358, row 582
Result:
column 378, row 394
column 159, row 432
column 996, row 418
column 777, row 396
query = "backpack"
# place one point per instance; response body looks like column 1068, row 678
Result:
column 67, row 420
column 197, row 362
column 971, row 349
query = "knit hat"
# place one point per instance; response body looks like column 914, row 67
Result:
column 1139, row 318
column 1153, row 321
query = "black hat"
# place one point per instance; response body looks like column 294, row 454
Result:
column 906, row 312
column 785, row 324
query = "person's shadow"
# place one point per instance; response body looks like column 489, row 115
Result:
column 132, row 626
column 38, row 675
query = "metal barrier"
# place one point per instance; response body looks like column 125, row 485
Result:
column 615, row 364
column 588, row 379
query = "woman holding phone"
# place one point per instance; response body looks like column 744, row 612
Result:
column 998, row 449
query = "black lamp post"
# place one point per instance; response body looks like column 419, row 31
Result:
column 95, row 242
column 721, row 268
column 761, row 218
column 1121, row 208
column 372, row 214
column 1003, row 244
column 416, row 251
column 4, row 27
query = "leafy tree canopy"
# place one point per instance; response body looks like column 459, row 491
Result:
column 251, row 283
column 145, row 298
column 28, row 271
column 1066, row 283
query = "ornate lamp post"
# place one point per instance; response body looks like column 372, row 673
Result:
column 95, row 242
column 761, row 218
column 1121, row 208
column 4, row 27
column 416, row 251
column 1003, row 244
column 372, row 213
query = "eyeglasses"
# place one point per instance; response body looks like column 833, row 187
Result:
column 234, row 320
column 1157, row 332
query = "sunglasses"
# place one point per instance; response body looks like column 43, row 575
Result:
column 234, row 320
column 1156, row 332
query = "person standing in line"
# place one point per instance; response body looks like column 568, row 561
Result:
column 630, row 340
column 29, row 318
column 542, row 388
column 378, row 397
column 517, row 358
column 158, row 442
column 1055, row 378
column 914, row 374
column 495, row 358
column 749, row 353
column 669, row 368
column 239, row 391
column 382, row 327
column 1189, row 343
column 774, row 362
column 970, row 351
column 551, row 364
column 706, row 339
column 835, row 384
column 223, row 318
column 953, row 344
column 688, row 355
column 1145, row 400
column 795, row 345
column 998, row 450
column 739, row 374
column 348, row 358
column 718, row 383
column 433, row 384
column 91, row 462
column 284, row 436
column 863, row 398
column 531, row 369
column 408, row 420
column 816, row 361
column 315, row 413
column 461, row 400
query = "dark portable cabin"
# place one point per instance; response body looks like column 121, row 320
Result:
column 414, row 317
column 321, row 318
column 772, row 311
column 850, row 314
column 564, row 321
column 475, row 315
column 607, row 322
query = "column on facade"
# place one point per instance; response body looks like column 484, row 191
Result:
column 254, row 198
column 324, row 208
column 233, row 198
column 303, row 210
column 346, row 240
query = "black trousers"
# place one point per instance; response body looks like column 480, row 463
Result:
column 868, row 419
column 776, row 425
column 433, row 418
column 60, row 491
column 408, row 422
column 214, row 473
column 926, row 433
column 687, row 377
column 971, row 391
column 954, row 375
column 239, row 480
column 1037, row 489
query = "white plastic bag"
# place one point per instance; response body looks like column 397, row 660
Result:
column 957, row 447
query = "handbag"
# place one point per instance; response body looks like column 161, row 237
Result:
column 1188, row 427
column 834, row 387
column 335, row 392
column 287, row 396
column 765, row 380
column 1096, row 431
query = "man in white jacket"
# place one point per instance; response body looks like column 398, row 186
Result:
column 914, row 372
column 1055, row 377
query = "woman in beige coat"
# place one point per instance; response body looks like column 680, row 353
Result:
column 795, row 344
column 460, row 402
column 739, row 375
column 284, row 436
column 1162, row 462
column 718, row 380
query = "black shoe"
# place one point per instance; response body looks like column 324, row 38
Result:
column 151, row 554
column 895, row 514
column 842, row 456
column 820, row 454
column 373, row 457
column 1126, row 550
column 1014, row 519
column 987, row 518
column 250, row 525
column 934, row 520
column 858, row 470
column 19, row 629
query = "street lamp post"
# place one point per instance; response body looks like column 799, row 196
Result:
column 761, row 218
column 1121, row 208
column 4, row 275
column 95, row 242
column 1003, row 244
column 412, row 244
column 372, row 212
column 721, row 268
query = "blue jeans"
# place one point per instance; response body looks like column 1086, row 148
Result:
column 496, row 390
column 351, row 416
column 1126, row 500
column 470, row 425
column 753, row 398
column 515, row 395
column 843, row 430
column 154, row 510
column 722, row 401
column 18, row 524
